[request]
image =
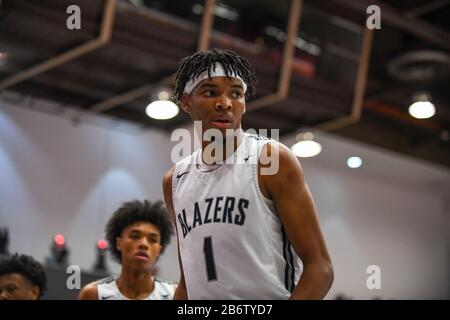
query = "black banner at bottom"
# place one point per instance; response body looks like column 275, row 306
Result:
column 215, row 309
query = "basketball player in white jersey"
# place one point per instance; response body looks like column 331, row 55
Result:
column 241, row 234
column 137, row 233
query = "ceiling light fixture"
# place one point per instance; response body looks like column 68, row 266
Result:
column 354, row 162
column 422, row 107
column 306, row 147
column 162, row 109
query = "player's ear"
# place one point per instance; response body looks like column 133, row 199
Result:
column 186, row 103
column 119, row 243
column 34, row 292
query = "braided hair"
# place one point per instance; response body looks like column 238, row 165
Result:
column 192, row 66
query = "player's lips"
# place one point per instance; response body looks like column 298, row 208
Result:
column 142, row 255
column 222, row 121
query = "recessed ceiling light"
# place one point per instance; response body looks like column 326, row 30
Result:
column 422, row 108
column 162, row 110
column 354, row 162
column 306, row 147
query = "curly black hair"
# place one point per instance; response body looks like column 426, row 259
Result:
column 138, row 211
column 27, row 267
column 192, row 66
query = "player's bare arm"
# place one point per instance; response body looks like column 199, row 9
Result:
column 89, row 292
column 297, row 212
column 180, row 292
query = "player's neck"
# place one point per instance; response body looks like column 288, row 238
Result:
column 135, row 284
column 228, row 146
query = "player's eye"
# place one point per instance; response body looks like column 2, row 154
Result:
column 11, row 289
column 209, row 93
column 153, row 240
column 237, row 94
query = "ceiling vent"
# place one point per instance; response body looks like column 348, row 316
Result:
column 420, row 66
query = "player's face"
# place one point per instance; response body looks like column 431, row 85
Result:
column 218, row 102
column 14, row 286
column 140, row 245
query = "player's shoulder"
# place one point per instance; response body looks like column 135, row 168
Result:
column 188, row 160
column 89, row 292
column 264, row 143
column 256, row 137
column 277, row 150
column 183, row 163
column 168, row 175
column 277, row 162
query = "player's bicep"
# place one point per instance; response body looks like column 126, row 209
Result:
column 299, row 218
column 181, row 291
column 296, row 209
column 167, row 189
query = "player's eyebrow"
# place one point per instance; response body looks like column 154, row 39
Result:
column 212, row 85
column 239, row 86
column 153, row 234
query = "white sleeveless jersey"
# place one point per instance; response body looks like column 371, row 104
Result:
column 108, row 290
column 231, row 241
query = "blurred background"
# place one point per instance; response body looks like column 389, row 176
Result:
column 79, row 135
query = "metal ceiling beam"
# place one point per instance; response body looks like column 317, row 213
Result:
column 207, row 25
column 360, row 86
column 121, row 98
column 391, row 16
column 129, row 95
column 427, row 7
column 286, row 62
column 203, row 44
column 104, row 38
column 393, row 112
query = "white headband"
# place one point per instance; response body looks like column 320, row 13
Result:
column 218, row 72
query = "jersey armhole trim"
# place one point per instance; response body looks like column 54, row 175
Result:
column 255, row 167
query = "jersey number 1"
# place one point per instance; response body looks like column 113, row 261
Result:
column 209, row 258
